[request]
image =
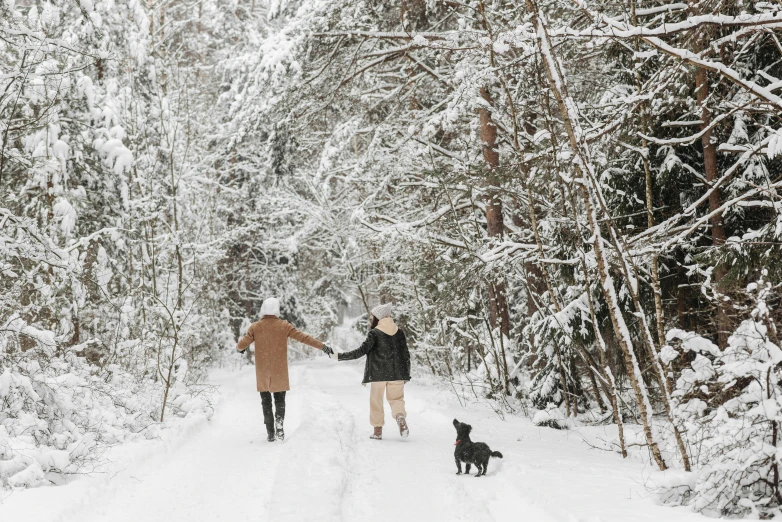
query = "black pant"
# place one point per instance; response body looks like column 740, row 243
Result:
column 279, row 407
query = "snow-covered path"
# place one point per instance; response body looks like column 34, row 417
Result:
column 328, row 468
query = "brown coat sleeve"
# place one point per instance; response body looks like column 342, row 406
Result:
column 247, row 340
column 293, row 333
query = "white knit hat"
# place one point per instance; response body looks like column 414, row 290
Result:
column 271, row 306
column 382, row 311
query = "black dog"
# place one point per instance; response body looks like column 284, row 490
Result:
column 471, row 452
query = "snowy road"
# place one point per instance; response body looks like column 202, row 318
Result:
column 328, row 469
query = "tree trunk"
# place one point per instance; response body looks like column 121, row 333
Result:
column 587, row 191
column 659, row 317
column 629, row 270
column 595, row 388
column 498, row 305
column 630, row 273
column 774, row 437
column 710, row 169
column 563, row 379
column 611, row 392
column 682, row 306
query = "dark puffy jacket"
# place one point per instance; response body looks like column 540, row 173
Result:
column 387, row 356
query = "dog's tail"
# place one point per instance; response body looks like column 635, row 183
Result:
column 496, row 454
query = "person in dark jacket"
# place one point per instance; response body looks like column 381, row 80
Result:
column 387, row 369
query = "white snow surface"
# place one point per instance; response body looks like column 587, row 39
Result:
column 328, row 469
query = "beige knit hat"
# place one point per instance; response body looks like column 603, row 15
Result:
column 382, row 311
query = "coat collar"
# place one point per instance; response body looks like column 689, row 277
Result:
column 387, row 326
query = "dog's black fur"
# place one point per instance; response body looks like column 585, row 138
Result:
column 471, row 452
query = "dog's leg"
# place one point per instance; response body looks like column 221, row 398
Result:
column 485, row 465
column 459, row 465
column 467, row 468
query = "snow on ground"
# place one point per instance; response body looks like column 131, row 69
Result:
column 328, row 469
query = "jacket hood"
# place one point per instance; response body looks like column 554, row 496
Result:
column 271, row 306
column 387, row 326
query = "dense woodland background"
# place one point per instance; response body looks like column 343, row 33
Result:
column 574, row 206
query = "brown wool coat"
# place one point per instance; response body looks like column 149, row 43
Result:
column 270, row 335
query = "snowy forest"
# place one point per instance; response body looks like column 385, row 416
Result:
column 574, row 206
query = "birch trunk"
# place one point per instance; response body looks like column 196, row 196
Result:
column 581, row 162
column 631, row 276
column 610, row 383
column 658, row 306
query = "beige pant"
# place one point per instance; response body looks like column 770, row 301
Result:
column 395, row 394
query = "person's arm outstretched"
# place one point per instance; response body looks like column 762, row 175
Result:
column 296, row 335
column 246, row 341
column 367, row 346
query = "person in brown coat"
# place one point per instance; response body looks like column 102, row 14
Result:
column 270, row 335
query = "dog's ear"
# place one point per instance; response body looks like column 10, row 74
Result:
column 468, row 428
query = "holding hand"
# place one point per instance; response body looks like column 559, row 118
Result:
column 334, row 356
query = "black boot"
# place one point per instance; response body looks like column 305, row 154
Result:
column 279, row 414
column 268, row 415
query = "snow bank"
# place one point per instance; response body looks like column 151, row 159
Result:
column 729, row 402
column 551, row 417
column 58, row 413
